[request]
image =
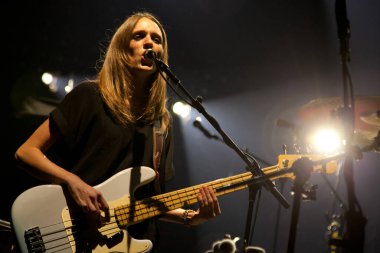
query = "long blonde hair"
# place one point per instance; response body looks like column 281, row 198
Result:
column 114, row 78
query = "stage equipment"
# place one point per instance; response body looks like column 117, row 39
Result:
column 228, row 245
column 303, row 168
column 371, row 118
column 225, row 245
column 354, row 221
column 328, row 112
column 6, row 244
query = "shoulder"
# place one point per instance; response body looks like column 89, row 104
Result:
column 85, row 92
column 86, row 87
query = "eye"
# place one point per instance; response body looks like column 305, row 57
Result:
column 157, row 40
column 138, row 36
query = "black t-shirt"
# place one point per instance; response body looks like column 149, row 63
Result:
column 95, row 147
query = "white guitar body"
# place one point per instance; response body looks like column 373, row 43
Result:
column 43, row 211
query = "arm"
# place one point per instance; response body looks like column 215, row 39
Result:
column 30, row 155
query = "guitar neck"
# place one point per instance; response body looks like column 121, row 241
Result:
column 150, row 207
column 138, row 211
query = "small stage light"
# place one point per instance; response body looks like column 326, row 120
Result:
column 181, row 109
column 47, row 78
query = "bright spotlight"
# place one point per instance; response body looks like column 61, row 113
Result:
column 181, row 109
column 70, row 85
column 327, row 141
column 47, row 78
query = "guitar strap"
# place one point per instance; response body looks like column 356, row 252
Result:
column 158, row 143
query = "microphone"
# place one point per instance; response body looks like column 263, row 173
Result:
column 162, row 67
column 149, row 53
column 198, row 124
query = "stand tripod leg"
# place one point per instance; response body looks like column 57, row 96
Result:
column 253, row 189
column 294, row 218
column 278, row 215
column 302, row 169
column 355, row 221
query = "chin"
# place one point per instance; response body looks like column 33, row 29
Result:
column 150, row 69
column 145, row 70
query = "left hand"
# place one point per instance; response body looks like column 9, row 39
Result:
column 208, row 206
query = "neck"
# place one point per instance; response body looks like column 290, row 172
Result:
column 141, row 89
column 140, row 94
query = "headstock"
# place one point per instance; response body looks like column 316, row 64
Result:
column 321, row 163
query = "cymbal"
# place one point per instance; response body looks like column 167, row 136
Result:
column 324, row 111
column 363, row 138
column 372, row 118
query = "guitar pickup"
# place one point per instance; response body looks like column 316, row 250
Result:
column 33, row 240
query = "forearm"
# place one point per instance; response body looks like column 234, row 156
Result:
column 180, row 215
column 38, row 165
column 31, row 156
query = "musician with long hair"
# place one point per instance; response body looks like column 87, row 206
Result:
column 108, row 124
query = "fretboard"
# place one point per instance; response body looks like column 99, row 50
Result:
column 150, row 207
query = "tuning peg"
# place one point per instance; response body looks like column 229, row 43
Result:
column 284, row 150
column 297, row 148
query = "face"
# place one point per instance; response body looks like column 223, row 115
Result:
column 145, row 35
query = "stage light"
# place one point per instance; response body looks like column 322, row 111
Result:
column 51, row 81
column 70, row 85
column 181, row 109
column 47, row 78
column 327, row 141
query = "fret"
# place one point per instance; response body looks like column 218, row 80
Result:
column 156, row 205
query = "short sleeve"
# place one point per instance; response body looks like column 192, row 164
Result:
column 76, row 111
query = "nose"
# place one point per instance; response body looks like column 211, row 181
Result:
column 148, row 42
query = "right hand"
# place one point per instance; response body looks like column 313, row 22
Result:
column 87, row 198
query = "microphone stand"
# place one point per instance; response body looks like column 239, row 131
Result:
column 252, row 166
column 353, row 240
column 253, row 189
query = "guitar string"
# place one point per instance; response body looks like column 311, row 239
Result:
column 170, row 197
column 72, row 242
column 53, row 240
column 141, row 205
column 182, row 200
column 179, row 201
column 140, row 208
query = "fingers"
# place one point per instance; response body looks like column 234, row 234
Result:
column 95, row 203
column 104, row 207
column 89, row 199
column 209, row 204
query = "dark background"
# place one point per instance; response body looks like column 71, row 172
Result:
column 253, row 62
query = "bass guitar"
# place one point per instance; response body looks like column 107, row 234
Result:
column 45, row 219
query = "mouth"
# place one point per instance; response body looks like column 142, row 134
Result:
column 145, row 61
